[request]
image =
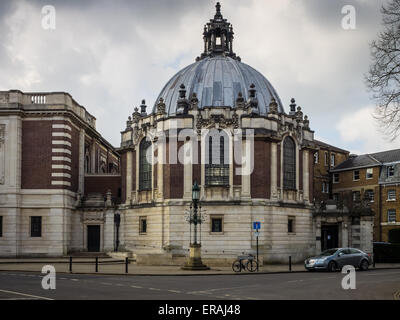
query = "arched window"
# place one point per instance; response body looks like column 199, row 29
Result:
column 217, row 165
column 289, row 164
column 87, row 162
column 145, row 159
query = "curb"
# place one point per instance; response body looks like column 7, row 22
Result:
column 185, row 275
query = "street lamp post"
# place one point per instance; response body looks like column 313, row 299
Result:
column 194, row 261
column 117, row 221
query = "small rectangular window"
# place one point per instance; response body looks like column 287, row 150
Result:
column 391, row 215
column 370, row 195
column 356, row 175
column 216, row 224
column 392, row 195
column 390, row 171
column 370, row 173
column 142, row 225
column 316, row 157
column 326, row 158
column 356, row 196
column 1, row 226
column 36, row 227
column 336, row 178
column 291, row 222
column 332, row 160
column 336, row 197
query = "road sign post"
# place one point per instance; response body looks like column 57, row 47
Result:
column 256, row 227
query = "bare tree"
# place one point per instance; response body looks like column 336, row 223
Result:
column 383, row 77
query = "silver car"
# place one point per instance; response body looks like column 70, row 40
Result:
column 334, row 259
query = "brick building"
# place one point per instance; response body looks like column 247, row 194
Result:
column 372, row 178
column 217, row 122
column 325, row 158
column 50, row 155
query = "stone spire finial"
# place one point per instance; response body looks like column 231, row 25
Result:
column 218, row 14
column 292, row 106
column 253, row 102
column 161, row 107
column 143, row 108
column 240, row 101
column 129, row 122
column 306, row 123
column 273, row 106
column 252, row 91
column 182, row 103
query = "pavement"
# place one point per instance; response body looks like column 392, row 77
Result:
column 109, row 266
column 370, row 285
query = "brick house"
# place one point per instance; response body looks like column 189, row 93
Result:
column 374, row 178
column 325, row 158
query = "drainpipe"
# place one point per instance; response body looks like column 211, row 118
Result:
column 380, row 212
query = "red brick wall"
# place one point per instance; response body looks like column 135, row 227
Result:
column 261, row 176
column 36, row 154
column 173, row 175
column 75, row 160
column 101, row 184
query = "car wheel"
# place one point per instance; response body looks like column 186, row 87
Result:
column 332, row 266
column 364, row 265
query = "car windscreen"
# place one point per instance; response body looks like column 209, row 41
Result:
column 328, row 252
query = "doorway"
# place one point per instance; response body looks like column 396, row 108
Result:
column 93, row 238
column 329, row 237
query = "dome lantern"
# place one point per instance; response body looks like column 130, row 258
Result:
column 218, row 37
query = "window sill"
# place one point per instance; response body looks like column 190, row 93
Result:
column 391, row 200
column 291, row 233
column 142, row 233
column 216, row 233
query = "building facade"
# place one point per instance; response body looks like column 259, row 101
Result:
column 372, row 178
column 217, row 122
column 49, row 151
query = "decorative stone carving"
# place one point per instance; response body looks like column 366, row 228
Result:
column 4, row 98
column 273, row 106
column 217, row 121
column 161, row 107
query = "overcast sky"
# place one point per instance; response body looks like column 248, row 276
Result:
column 109, row 55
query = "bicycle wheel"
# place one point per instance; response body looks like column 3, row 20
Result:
column 237, row 266
column 252, row 265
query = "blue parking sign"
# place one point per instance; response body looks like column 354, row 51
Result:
column 256, row 225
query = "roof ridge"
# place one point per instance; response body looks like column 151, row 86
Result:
column 373, row 158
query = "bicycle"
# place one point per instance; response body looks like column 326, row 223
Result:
column 251, row 265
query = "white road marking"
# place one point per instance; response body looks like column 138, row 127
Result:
column 25, row 294
column 137, row 287
column 174, row 291
column 154, row 289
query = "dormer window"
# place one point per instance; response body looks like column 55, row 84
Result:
column 390, row 171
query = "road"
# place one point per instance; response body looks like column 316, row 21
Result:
column 373, row 284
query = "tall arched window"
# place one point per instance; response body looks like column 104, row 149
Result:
column 289, row 164
column 145, row 159
column 217, row 165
